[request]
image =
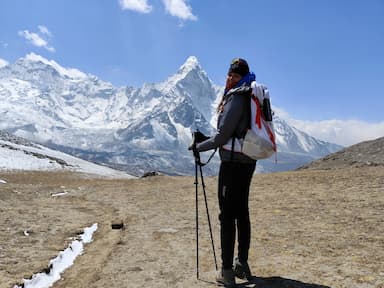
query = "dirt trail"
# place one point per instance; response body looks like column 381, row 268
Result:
column 309, row 229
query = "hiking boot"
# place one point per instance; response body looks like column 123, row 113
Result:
column 241, row 270
column 226, row 278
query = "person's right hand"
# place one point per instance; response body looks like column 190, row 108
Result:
column 199, row 137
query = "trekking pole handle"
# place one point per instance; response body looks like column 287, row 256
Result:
column 192, row 147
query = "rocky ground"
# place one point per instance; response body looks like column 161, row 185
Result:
column 367, row 153
column 310, row 228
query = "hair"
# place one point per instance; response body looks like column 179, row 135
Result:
column 220, row 106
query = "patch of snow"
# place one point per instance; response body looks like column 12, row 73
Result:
column 20, row 157
column 59, row 194
column 168, row 230
column 59, row 264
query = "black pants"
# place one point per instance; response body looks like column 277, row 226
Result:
column 233, row 194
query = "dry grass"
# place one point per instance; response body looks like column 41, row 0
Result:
column 310, row 229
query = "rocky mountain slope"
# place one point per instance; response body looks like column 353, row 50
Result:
column 367, row 153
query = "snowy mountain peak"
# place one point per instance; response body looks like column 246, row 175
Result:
column 68, row 72
column 190, row 64
column 191, row 80
column 36, row 58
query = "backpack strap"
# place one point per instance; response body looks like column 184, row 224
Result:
column 233, row 147
column 242, row 134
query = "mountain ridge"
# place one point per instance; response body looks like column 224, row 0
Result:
column 133, row 128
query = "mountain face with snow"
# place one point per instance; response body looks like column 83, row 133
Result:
column 133, row 129
column 19, row 154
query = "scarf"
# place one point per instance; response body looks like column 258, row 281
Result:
column 246, row 80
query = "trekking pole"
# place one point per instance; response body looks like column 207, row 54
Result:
column 200, row 164
column 197, row 218
column 209, row 220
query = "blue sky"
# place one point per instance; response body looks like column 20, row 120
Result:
column 323, row 60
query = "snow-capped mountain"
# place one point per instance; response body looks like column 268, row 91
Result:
column 134, row 129
column 17, row 154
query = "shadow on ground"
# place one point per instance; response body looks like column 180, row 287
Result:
column 271, row 282
column 277, row 282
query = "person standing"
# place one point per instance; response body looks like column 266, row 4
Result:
column 235, row 174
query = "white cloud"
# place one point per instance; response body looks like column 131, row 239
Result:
column 177, row 8
column 3, row 62
column 342, row 132
column 34, row 38
column 37, row 40
column 44, row 30
column 180, row 9
column 3, row 44
column 135, row 5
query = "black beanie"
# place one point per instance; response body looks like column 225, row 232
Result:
column 239, row 66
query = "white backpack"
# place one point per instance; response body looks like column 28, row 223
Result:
column 260, row 140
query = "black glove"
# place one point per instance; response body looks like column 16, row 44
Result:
column 199, row 137
column 196, row 153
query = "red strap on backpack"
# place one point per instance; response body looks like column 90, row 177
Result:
column 259, row 115
column 258, row 112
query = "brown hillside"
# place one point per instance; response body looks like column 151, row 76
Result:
column 368, row 153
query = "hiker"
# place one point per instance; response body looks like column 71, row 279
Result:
column 236, row 170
